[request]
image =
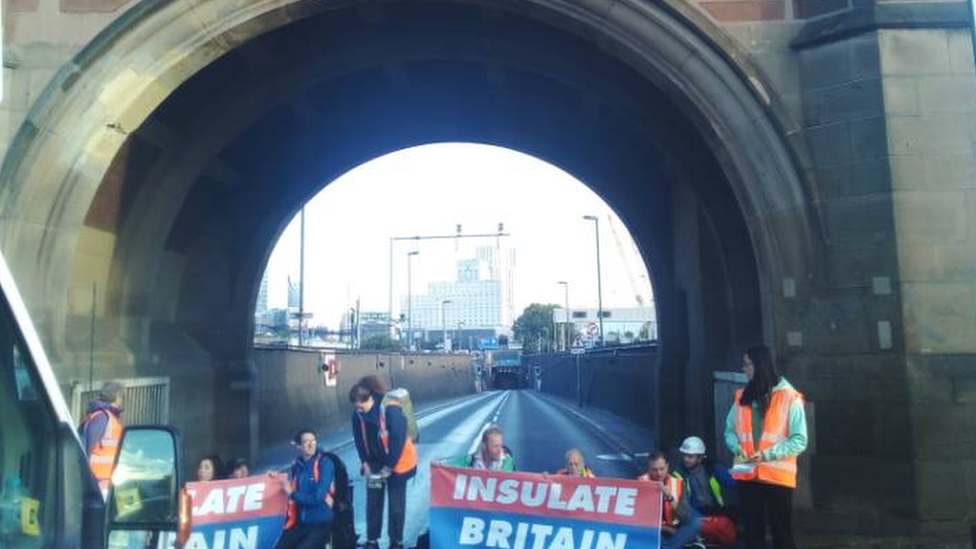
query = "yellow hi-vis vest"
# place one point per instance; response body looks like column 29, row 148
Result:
column 776, row 426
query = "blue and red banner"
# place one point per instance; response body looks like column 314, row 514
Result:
column 247, row 513
column 483, row 509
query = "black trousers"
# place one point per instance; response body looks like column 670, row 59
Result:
column 305, row 536
column 396, row 485
column 763, row 502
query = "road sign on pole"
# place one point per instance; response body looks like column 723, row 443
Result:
column 577, row 348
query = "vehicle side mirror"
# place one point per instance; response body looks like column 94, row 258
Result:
column 144, row 501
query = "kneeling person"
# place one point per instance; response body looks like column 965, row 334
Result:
column 680, row 522
column 709, row 487
column 311, row 491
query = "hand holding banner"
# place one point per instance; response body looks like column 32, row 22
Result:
column 483, row 509
column 246, row 513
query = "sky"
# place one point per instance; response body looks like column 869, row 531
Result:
column 429, row 190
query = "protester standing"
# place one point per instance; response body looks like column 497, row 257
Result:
column 311, row 488
column 102, row 430
column 768, row 410
column 388, row 458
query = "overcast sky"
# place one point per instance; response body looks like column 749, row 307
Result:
column 429, row 190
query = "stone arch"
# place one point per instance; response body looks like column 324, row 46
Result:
column 72, row 136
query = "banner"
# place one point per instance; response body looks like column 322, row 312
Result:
column 481, row 509
column 247, row 513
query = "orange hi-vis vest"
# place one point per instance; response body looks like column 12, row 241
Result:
column 408, row 457
column 776, row 426
column 292, row 515
column 676, row 485
column 102, row 456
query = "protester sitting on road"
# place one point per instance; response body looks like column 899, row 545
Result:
column 576, row 465
column 310, row 486
column 708, row 487
column 210, row 468
column 238, row 468
column 680, row 523
column 387, row 455
column 492, row 453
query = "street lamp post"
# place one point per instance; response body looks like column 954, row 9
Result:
column 599, row 288
column 457, row 333
column 566, row 342
column 410, row 301
column 444, row 325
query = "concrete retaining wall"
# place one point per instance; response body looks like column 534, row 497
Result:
column 622, row 382
column 292, row 392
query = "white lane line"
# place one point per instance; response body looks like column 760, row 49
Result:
column 493, row 421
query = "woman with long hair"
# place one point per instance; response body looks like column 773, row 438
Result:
column 766, row 430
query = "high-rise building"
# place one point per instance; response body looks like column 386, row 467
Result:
column 481, row 298
column 262, row 304
column 293, row 294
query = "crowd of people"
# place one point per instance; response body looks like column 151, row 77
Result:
column 703, row 502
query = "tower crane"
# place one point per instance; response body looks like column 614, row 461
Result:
column 623, row 258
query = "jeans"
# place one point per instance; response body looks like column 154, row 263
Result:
column 396, row 485
column 305, row 536
column 761, row 501
column 686, row 532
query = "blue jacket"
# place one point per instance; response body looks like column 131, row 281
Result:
column 313, row 490
column 721, row 485
column 368, row 444
column 93, row 431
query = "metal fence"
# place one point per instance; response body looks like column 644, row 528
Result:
column 146, row 399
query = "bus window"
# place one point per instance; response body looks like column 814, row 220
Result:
column 28, row 445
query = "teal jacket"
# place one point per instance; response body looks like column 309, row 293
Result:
column 793, row 445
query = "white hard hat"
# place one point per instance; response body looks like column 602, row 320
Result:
column 693, row 446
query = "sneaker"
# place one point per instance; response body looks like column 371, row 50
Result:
column 371, row 544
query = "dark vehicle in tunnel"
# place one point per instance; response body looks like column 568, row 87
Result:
column 49, row 498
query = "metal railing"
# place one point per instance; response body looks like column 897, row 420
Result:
column 145, row 400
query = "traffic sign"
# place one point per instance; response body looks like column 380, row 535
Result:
column 577, row 350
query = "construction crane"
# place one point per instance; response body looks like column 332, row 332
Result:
column 623, row 258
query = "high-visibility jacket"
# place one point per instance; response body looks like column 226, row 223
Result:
column 310, row 493
column 102, row 455
column 408, row 457
column 782, row 471
column 676, row 486
column 713, row 484
column 587, row 473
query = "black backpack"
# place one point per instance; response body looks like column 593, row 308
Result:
column 344, row 524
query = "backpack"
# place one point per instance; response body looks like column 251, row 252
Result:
column 344, row 524
column 402, row 397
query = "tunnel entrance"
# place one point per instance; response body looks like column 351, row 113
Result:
column 488, row 250
column 170, row 196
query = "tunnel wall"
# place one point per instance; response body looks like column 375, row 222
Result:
column 292, row 393
column 621, row 382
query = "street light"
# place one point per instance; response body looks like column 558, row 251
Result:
column 599, row 288
column 566, row 343
column 410, row 301
column 457, row 333
column 444, row 325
